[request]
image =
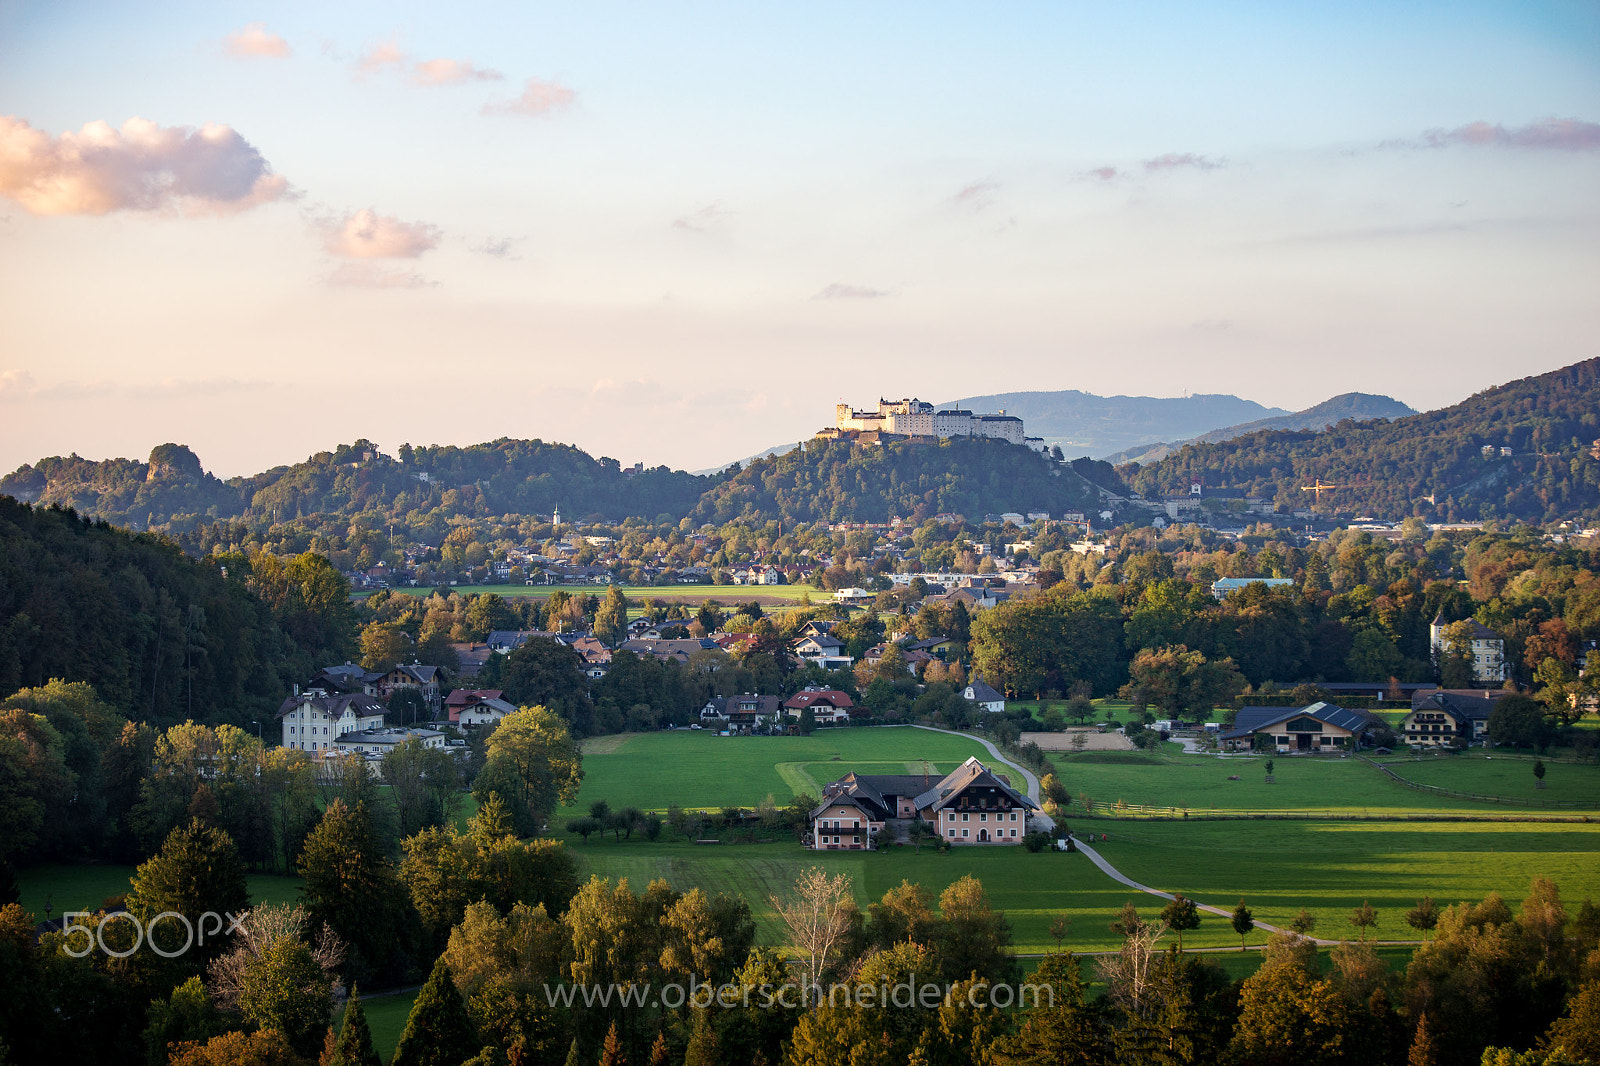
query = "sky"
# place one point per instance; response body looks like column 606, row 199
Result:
column 679, row 233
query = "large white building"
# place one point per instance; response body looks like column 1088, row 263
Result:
column 314, row 721
column 916, row 418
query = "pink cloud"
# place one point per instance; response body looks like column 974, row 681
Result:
column 1103, row 173
column 1562, row 134
column 141, row 167
column 977, row 196
column 1177, row 160
column 539, row 97
column 254, row 40
column 451, row 72
column 380, row 57
column 365, row 234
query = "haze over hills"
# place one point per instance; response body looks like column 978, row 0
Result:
column 1085, row 424
column 1543, row 465
column 1356, row 406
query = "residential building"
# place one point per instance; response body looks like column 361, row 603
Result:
column 823, row 650
column 743, row 713
column 462, row 698
column 970, row 805
column 984, row 696
column 1488, row 650
column 1441, row 718
column 828, row 706
column 315, row 719
column 485, row 712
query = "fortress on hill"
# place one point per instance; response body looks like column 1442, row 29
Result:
column 915, row 418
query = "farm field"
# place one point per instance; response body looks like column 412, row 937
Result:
column 1497, row 774
column 1200, row 784
column 696, row 768
column 1331, row 867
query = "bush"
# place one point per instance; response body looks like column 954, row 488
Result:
column 1036, row 842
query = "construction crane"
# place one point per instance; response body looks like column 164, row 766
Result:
column 1323, row 486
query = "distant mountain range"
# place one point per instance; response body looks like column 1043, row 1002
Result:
column 1081, row 423
column 1356, row 406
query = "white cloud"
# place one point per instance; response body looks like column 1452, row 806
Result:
column 255, row 41
column 1560, row 134
column 707, row 218
column 1179, row 160
column 365, row 234
column 539, row 97
column 141, row 167
column 499, row 247
column 977, row 196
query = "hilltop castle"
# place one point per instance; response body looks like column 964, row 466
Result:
column 915, row 418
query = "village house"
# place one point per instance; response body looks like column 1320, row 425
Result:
column 984, row 697
column 744, row 713
column 969, row 805
column 423, row 679
column 824, row 650
column 1319, row 727
column 462, row 698
column 828, row 706
column 484, row 712
column 1442, row 718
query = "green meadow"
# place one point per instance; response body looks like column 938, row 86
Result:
column 697, row 768
column 1202, row 784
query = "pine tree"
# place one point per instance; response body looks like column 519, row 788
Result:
column 702, row 1049
column 438, row 1032
column 1423, row 1052
column 573, row 1058
column 660, row 1053
column 611, row 1053
column 355, row 1037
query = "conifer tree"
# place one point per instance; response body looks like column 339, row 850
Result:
column 702, row 1049
column 611, row 1053
column 438, row 1032
column 354, row 1047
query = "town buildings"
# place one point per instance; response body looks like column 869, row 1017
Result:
column 968, row 806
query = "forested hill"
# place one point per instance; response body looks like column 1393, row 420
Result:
column 840, row 482
column 1549, row 423
column 161, row 637
column 171, row 492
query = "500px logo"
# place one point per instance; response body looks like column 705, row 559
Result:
column 143, row 931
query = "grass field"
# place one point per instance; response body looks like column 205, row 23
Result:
column 1330, row 867
column 696, row 768
column 1501, row 775
column 1201, row 783
column 83, row 888
column 386, row 1017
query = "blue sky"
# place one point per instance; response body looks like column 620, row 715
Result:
column 678, row 233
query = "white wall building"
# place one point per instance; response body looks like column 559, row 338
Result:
column 314, row 721
column 917, row 418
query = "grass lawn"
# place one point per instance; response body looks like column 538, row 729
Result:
column 696, row 768
column 1330, row 867
column 84, row 888
column 386, row 1017
column 1324, row 784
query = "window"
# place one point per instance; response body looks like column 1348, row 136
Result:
column 983, row 817
column 963, row 832
column 1013, row 832
column 964, row 817
column 951, row 832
